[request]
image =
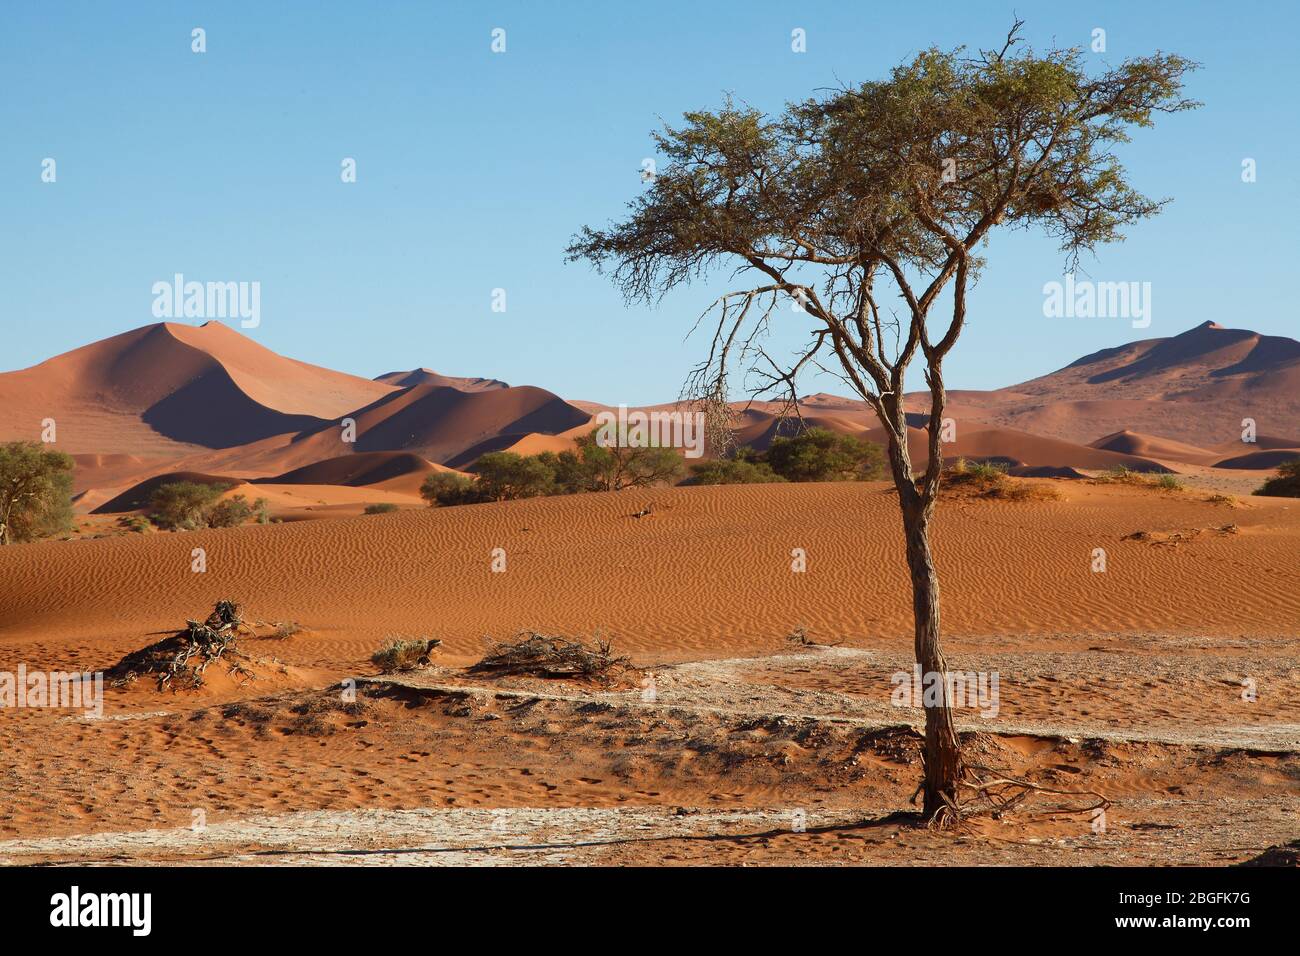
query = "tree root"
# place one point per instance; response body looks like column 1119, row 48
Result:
column 1002, row 793
column 998, row 794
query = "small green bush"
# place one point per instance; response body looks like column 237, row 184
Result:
column 234, row 511
column 184, row 505
column 383, row 508
column 731, row 471
column 820, row 454
column 1286, row 484
column 402, row 654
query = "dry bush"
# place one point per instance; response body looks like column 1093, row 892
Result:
column 1025, row 491
column 539, row 655
column 800, row 637
column 983, row 480
column 1120, row 475
column 403, row 654
column 180, row 660
column 1232, row 501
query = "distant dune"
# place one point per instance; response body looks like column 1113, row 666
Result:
column 1261, row 460
column 1149, row 446
column 426, row 376
column 168, row 388
column 208, row 400
column 1193, row 388
column 392, row 470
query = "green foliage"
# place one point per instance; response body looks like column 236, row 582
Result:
column 383, row 508
column 615, row 467
column 401, row 654
column 186, row 505
column 734, row 471
column 817, row 454
column 444, row 489
column 135, row 523
column 1124, row 475
column 948, row 144
column 989, row 480
column 820, row 454
column 1286, row 484
column 234, row 511
column 505, row 476
column 979, row 472
column 35, row 492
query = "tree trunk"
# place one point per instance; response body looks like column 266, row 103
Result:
column 943, row 764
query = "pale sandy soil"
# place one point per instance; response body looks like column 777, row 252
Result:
column 1128, row 682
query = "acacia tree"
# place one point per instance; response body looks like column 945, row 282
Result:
column 35, row 491
column 890, row 185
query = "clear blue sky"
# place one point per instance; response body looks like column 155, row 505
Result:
column 475, row 169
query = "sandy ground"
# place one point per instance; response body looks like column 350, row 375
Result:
column 1167, row 683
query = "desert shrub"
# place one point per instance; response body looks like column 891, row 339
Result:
column 1285, row 484
column 1127, row 476
column 990, row 480
column 233, row 511
column 539, row 655
column 403, row 654
column 442, row 488
column 571, row 473
column 820, row 454
column 615, row 467
column 383, row 508
column 979, row 470
column 984, row 476
column 1024, row 491
column 733, row 471
column 505, row 476
column 1124, row 475
column 35, row 492
column 180, row 660
column 184, row 505
column 136, row 523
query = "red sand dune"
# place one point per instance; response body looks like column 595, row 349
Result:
column 1260, row 460
column 427, row 376
column 1150, row 446
column 170, row 388
column 172, row 398
column 1194, row 388
column 1261, row 442
column 428, row 570
column 390, row 470
column 442, row 423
